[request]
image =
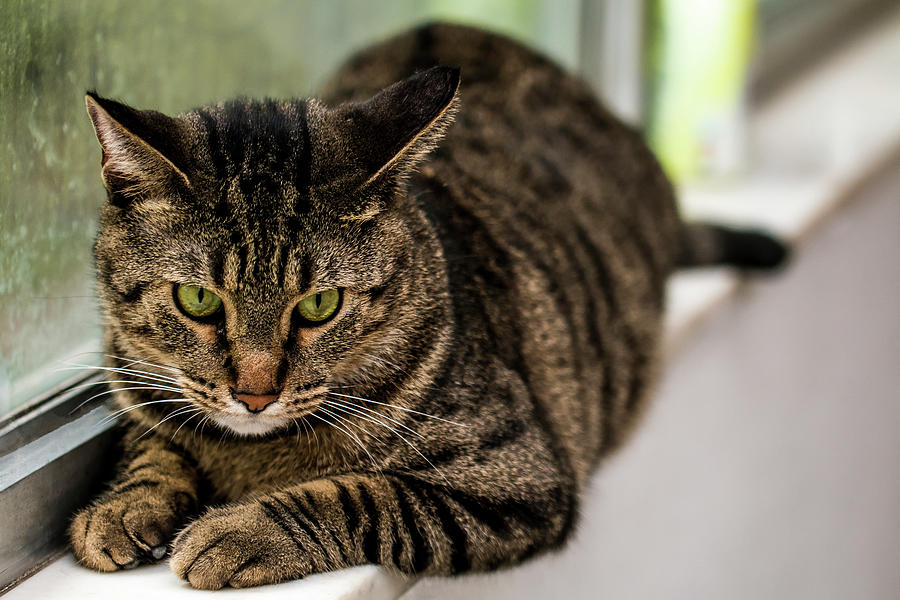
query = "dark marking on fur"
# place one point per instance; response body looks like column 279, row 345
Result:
column 143, row 483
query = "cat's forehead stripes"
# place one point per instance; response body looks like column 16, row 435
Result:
column 261, row 144
column 258, row 134
column 259, row 154
column 260, row 267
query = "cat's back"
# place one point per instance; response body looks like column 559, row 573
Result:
column 558, row 225
column 530, row 130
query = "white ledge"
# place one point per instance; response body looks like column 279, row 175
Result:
column 64, row 578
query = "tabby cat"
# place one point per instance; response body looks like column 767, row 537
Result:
column 338, row 338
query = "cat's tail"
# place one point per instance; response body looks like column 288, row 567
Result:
column 706, row 244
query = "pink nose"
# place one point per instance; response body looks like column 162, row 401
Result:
column 255, row 402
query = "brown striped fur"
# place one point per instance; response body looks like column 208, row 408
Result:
column 508, row 285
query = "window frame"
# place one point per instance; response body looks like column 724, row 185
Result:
column 64, row 431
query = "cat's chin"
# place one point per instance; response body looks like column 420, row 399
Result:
column 250, row 426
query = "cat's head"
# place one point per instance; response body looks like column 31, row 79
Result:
column 253, row 250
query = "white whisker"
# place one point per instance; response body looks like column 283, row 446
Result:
column 180, row 411
column 132, row 407
column 409, row 410
column 200, row 412
column 297, row 427
column 150, row 385
column 359, row 415
column 143, row 362
column 122, row 370
column 120, row 389
column 312, row 429
column 136, row 387
column 348, row 421
column 129, row 409
column 202, row 424
column 408, row 443
column 351, row 435
column 357, row 408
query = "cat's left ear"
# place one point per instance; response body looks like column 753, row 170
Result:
column 380, row 141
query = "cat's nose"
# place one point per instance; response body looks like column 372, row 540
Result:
column 257, row 372
column 256, row 402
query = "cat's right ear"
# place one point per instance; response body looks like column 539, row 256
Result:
column 138, row 150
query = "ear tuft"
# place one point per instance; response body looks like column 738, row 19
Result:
column 132, row 167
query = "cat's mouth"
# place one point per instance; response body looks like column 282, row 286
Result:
column 261, row 414
column 251, row 424
column 276, row 415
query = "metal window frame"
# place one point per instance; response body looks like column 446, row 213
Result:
column 54, row 454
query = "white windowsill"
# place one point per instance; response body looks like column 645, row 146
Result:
column 814, row 145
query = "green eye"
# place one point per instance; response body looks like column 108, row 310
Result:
column 319, row 307
column 197, row 302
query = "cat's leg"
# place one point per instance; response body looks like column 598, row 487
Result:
column 399, row 520
column 136, row 518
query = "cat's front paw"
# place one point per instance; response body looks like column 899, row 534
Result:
column 238, row 546
column 127, row 527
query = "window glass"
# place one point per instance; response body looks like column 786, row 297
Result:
column 169, row 55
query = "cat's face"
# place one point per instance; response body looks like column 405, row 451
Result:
column 230, row 301
column 252, row 249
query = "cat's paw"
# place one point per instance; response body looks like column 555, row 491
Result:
column 238, row 546
column 123, row 529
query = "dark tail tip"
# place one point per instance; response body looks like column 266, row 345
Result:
column 753, row 249
column 707, row 244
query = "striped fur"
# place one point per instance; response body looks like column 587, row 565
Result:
column 501, row 313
